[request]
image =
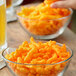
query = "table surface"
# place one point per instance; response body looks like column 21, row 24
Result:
column 16, row 35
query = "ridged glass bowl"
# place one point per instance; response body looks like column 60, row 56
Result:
column 19, row 69
column 45, row 29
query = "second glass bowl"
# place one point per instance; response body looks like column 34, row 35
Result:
column 45, row 29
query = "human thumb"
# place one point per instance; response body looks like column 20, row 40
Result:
column 60, row 4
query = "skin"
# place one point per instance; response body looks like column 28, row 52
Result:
column 64, row 4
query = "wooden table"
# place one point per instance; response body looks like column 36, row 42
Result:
column 16, row 35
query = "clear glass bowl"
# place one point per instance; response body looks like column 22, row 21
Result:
column 19, row 69
column 45, row 29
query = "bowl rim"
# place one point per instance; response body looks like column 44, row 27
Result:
column 48, row 19
column 38, row 64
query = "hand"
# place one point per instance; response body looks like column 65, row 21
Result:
column 64, row 4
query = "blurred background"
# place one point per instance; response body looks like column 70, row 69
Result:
column 72, row 25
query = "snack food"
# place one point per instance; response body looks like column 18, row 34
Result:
column 42, row 19
column 37, row 58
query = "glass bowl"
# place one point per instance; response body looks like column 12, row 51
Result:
column 19, row 69
column 45, row 29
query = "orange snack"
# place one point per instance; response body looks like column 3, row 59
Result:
column 38, row 53
column 42, row 19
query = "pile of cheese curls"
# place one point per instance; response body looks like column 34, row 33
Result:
column 42, row 19
column 38, row 58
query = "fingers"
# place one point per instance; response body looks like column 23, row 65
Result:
column 60, row 4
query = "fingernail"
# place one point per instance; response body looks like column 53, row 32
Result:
column 53, row 5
